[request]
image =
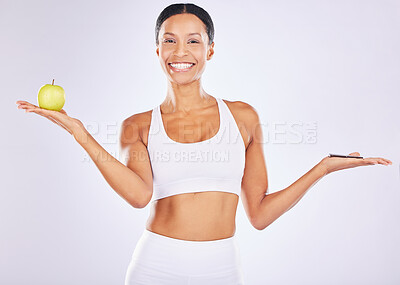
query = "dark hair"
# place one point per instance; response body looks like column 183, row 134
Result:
column 186, row 8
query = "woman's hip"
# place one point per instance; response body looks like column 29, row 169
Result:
column 191, row 261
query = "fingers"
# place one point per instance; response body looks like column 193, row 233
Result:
column 53, row 116
column 25, row 103
column 44, row 112
column 40, row 111
column 383, row 161
column 388, row 161
column 378, row 160
column 373, row 160
column 26, row 106
column 367, row 161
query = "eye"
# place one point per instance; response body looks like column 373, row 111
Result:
column 170, row 40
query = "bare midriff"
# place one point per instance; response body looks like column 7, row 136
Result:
column 199, row 216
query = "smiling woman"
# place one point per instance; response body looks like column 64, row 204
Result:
column 190, row 158
column 185, row 41
column 189, row 238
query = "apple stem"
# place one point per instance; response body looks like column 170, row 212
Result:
column 53, row 82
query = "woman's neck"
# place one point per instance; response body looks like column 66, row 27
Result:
column 185, row 97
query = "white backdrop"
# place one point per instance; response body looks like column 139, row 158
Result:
column 323, row 76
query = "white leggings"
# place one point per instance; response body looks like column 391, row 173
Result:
column 162, row 260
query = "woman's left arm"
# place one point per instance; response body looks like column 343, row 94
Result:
column 263, row 208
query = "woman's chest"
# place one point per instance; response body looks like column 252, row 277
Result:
column 197, row 129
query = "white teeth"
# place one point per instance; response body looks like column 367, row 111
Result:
column 181, row 65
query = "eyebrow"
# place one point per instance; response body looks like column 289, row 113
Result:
column 167, row 33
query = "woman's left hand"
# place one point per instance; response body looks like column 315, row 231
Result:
column 331, row 164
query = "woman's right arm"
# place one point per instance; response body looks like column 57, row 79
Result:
column 133, row 182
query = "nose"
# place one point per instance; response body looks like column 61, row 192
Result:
column 180, row 50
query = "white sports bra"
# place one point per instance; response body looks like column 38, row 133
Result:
column 216, row 164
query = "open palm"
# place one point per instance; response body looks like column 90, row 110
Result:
column 332, row 164
column 60, row 118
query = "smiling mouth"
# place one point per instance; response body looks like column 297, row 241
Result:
column 178, row 67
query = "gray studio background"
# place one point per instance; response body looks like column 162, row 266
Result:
column 323, row 76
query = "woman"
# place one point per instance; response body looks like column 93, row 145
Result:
column 193, row 180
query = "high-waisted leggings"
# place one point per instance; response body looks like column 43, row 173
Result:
column 162, row 260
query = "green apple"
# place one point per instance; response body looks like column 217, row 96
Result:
column 51, row 97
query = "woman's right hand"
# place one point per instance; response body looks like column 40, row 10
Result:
column 61, row 118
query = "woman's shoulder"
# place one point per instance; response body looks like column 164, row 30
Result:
column 138, row 123
column 243, row 111
column 139, row 118
column 246, row 118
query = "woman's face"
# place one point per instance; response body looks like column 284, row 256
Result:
column 183, row 39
